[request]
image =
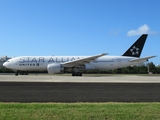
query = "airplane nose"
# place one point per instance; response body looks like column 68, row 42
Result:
column 6, row 64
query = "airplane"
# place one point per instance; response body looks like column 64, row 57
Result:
column 60, row 64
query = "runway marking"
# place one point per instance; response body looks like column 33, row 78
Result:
column 84, row 79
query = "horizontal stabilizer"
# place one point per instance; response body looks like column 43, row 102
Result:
column 141, row 59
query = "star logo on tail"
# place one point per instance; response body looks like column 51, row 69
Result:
column 134, row 50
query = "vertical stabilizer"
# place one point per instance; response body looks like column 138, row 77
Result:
column 136, row 49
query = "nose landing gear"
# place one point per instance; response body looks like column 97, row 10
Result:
column 21, row 73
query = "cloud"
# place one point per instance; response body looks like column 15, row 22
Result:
column 144, row 29
column 114, row 32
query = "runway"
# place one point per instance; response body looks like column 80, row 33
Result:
column 45, row 88
column 84, row 79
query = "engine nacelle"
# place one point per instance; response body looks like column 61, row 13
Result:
column 55, row 68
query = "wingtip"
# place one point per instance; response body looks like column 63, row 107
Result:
column 154, row 56
column 105, row 53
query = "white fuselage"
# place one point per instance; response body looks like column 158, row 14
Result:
column 40, row 63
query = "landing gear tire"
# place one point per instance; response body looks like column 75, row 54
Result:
column 80, row 74
column 25, row 73
column 73, row 74
column 16, row 74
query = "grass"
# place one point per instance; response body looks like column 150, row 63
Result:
column 79, row 111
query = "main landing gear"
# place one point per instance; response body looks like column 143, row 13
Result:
column 76, row 74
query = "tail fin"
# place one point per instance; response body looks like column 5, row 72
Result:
column 136, row 49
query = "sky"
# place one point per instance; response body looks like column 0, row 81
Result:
column 78, row 27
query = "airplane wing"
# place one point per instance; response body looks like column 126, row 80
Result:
column 82, row 61
column 141, row 59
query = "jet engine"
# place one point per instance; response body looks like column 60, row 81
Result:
column 55, row 68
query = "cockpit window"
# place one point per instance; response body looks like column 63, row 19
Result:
column 7, row 60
